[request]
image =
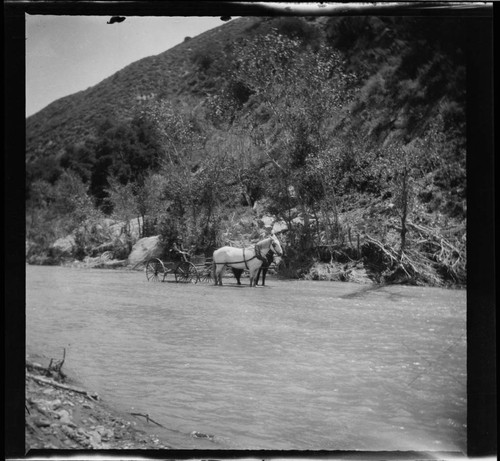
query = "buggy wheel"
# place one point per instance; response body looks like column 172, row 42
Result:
column 155, row 270
column 206, row 274
column 186, row 272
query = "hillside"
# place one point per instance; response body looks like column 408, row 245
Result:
column 380, row 50
column 167, row 75
column 341, row 127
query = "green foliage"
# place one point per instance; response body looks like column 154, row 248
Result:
column 79, row 158
column 208, row 60
column 203, row 59
column 126, row 152
column 169, row 230
column 303, row 90
column 317, row 120
column 122, row 200
column 344, row 32
column 71, row 197
column 45, row 169
column 180, row 135
column 297, row 28
column 190, row 185
column 59, row 210
column 151, row 203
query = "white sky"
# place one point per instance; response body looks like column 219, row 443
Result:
column 67, row 54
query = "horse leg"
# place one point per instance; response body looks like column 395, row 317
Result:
column 264, row 272
column 219, row 275
column 237, row 274
column 217, row 272
column 214, row 272
column 253, row 274
column 258, row 276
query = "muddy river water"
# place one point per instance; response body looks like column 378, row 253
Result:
column 293, row 365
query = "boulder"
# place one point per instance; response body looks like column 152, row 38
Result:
column 279, row 226
column 64, row 246
column 145, row 248
column 266, row 222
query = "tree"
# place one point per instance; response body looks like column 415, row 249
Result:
column 245, row 163
column 402, row 166
column 79, row 158
column 71, row 198
column 303, row 90
column 180, row 136
column 44, row 168
column 214, row 191
column 122, row 199
column 152, row 204
column 195, row 181
column 39, row 213
column 126, row 151
column 57, row 210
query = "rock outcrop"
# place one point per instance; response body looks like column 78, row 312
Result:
column 146, row 248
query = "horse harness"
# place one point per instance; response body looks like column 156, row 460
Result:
column 257, row 255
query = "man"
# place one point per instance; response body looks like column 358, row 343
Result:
column 264, row 268
column 179, row 250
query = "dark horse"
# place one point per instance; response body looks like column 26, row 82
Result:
column 264, row 268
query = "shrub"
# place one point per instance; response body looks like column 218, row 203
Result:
column 295, row 27
column 239, row 92
column 205, row 59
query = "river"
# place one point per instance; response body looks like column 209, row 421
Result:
column 293, row 365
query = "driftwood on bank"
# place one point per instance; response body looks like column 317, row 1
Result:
column 37, row 367
column 404, row 262
column 449, row 254
column 54, row 369
column 387, row 251
column 56, row 365
column 427, row 255
column 53, row 383
column 147, row 418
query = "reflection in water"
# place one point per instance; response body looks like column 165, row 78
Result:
column 296, row 365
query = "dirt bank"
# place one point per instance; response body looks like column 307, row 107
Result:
column 60, row 414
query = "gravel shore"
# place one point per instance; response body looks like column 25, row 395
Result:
column 60, row 414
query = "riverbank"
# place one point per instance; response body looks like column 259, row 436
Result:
column 231, row 362
column 61, row 414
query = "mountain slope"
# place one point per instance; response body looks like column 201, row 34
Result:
column 167, row 75
column 336, row 125
column 408, row 71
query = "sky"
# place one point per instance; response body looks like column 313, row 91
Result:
column 67, row 54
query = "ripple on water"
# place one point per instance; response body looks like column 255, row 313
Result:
column 298, row 365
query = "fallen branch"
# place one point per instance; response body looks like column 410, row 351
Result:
column 147, row 418
column 36, row 366
column 438, row 236
column 392, row 257
column 50, row 382
column 58, row 364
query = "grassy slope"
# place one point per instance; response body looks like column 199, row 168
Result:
column 168, row 75
column 396, row 98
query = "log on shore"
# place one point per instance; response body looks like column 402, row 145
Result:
column 50, row 382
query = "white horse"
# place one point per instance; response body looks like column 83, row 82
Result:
column 250, row 258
